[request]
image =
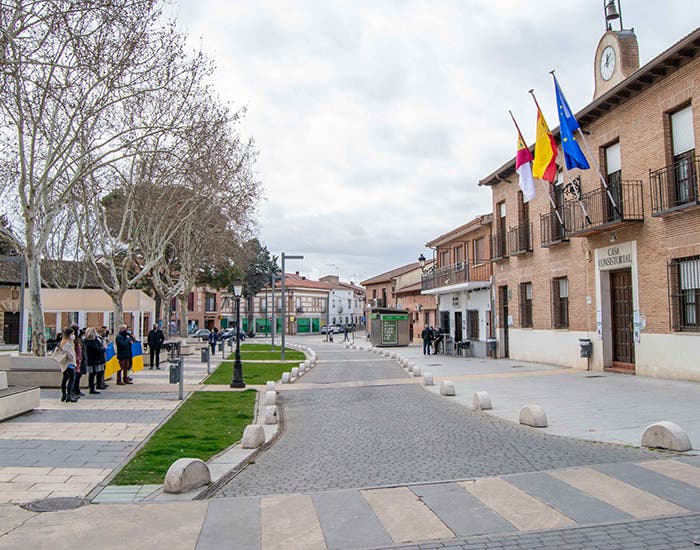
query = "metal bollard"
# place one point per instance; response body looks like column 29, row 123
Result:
column 208, row 361
column 177, row 376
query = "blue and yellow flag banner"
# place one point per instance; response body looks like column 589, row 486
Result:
column 112, row 364
column 573, row 156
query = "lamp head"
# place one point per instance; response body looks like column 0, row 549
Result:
column 237, row 289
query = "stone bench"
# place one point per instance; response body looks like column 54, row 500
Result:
column 30, row 370
column 17, row 400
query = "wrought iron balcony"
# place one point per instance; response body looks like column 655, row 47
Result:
column 551, row 230
column 499, row 246
column 462, row 272
column 520, row 239
column 600, row 210
column 675, row 187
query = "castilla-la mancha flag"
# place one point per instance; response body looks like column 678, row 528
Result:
column 544, row 166
column 523, row 157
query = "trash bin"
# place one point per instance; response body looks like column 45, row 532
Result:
column 586, row 347
column 175, row 370
column 205, row 354
column 221, row 345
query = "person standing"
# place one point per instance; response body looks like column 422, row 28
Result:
column 103, row 337
column 213, row 337
column 94, row 357
column 67, row 345
column 80, row 360
column 345, row 334
column 123, row 343
column 155, row 343
column 427, row 336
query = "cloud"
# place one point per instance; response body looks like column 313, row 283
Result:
column 376, row 120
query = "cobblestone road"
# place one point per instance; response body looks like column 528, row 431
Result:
column 338, row 438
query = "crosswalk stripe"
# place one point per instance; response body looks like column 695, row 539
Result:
column 404, row 516
column 627, row 498
column 675, row 469
column 516, row 506
column 289, row 522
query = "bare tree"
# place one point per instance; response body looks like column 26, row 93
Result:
column 69, row 72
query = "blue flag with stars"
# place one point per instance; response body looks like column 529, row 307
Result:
column 568, row 124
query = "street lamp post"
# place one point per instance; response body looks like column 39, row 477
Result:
column 284, row 306
column 237, row 380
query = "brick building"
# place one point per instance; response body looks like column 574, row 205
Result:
column 623, row 269
column 461, row 282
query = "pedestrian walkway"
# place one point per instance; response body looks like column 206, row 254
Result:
column 565, row 499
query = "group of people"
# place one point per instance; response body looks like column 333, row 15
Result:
column 431, row 337
column 83, row 351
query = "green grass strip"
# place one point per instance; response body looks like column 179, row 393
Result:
column 253, row 373
column 206, row 424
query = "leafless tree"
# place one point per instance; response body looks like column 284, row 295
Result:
column 72, row 76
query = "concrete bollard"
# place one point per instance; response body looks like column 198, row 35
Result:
column 393, row 355
column 411, row 366
column 270, row 398
column 186, row 474
column 270, row 386
column 286, row 377
column 302, row 368
column 481, row 401
column 271, row 415
column 533, row 415
column 295, row 372
column 416, row 371
column 253, row 436
column 447, row 387
column 666, row 435
column 428, row 379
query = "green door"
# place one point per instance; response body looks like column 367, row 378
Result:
column 315, row 324
column 303, row 325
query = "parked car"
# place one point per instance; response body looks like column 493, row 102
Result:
column 230, row 333
column 202, row 334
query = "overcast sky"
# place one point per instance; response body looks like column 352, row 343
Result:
column 376, row 119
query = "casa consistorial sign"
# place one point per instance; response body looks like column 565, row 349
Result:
column 618, row 255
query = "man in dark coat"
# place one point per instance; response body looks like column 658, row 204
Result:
column 123, row 342
column 427, row 336
column 155, row 343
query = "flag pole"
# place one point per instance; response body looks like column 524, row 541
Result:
column 546, row 188
column 600, row 173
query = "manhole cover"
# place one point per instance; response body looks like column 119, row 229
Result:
column 595, row 376
column 56, row 504
column 517, row 366
column 434, row 365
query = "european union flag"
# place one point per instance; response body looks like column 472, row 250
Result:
column 568, row 124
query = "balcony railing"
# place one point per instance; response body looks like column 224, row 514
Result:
column 675, row 187
column 462, row 272
column 551, row 230
column 499, row 246
column 520, row 239
column 600, row 211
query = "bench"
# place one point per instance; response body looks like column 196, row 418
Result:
column 17, row 399
column 30, row 370
column 463, row 347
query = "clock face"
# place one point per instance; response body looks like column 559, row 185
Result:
column 607, row 63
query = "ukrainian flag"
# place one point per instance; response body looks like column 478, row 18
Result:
column 112, row 364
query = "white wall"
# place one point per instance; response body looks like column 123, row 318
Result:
column 674, row 356
column 555, row 347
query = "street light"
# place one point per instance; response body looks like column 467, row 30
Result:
column 237, row 381
column 284, row 306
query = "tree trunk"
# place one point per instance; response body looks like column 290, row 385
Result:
column 33, row 260
column 159, row 307
column 249, row 311
column 118, row 309
column 183, row 314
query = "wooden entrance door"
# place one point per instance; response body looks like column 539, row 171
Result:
column 622, row 319
column 458, row 326
column 503, row 291
column 10, row 331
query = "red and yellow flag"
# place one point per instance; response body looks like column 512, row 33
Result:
column 544, row 166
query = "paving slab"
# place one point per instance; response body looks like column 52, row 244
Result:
column 231, row 523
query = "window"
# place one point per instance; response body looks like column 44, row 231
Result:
column 210, row 302
column 560, row 302
column 479, row 251
column 526, row 305
column 459, row 256
column 349, row 303
column 472, row 324
column 444, row 258
column 374, row 293
column 613, row 171
column 684, row 294
column 190, row 302
column 683, row 144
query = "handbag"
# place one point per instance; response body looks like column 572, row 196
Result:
column 60, row 356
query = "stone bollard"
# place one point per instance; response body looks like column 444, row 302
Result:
column 411, row 366
column 270, row 386
column 447, row 387
column 271, row 415
column 666, row 435
column 253, row 436
column 416, row 371
column 270, row 398
column 393, row 355
column 428, row 379
column 533, row 415
column 302, row 367
column 295, row 372
column 481, row 401
column 286, row 377
column 186, row 474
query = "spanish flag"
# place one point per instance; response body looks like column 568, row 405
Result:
column 523, row 166
column 112, row 364
column 544, row 166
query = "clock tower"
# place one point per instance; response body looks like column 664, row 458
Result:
column 617, row 54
